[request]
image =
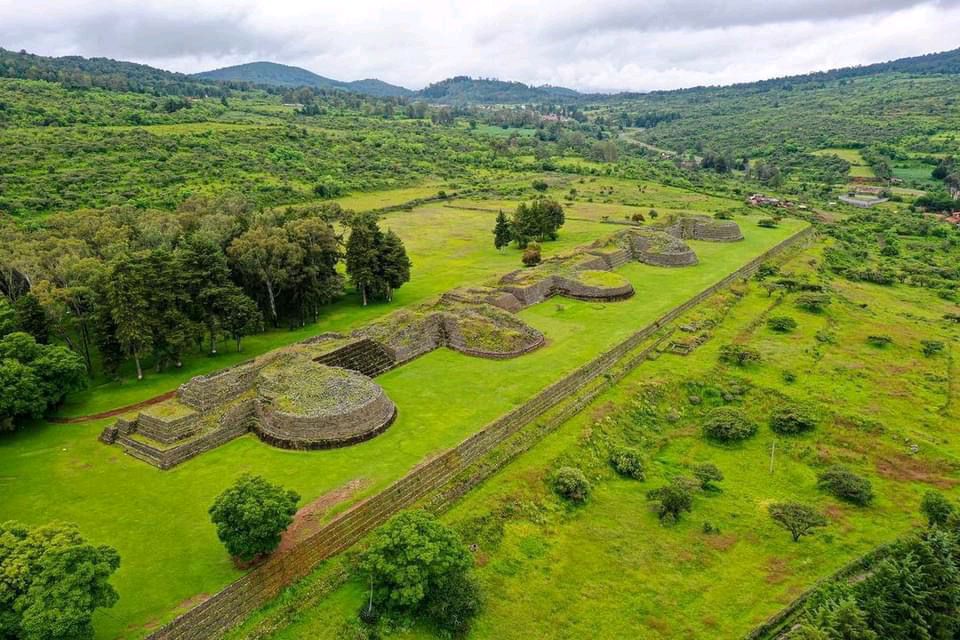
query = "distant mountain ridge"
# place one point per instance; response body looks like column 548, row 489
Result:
column 282, row 75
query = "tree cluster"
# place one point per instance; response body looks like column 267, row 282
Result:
column 51, row 582
column 124, row 283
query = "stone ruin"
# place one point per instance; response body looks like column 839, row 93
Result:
column 320, row 393
column 699, row 227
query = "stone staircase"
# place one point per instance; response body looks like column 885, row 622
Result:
column 364, row 356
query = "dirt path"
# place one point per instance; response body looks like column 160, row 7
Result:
column 115, row 412
column 309, row 519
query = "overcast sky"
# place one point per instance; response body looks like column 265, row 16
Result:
column 592, row 45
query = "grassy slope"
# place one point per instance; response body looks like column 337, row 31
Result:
column 158, row 520
column 551, row 576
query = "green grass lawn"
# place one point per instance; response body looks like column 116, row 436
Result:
column 157, row 519
column 611, row 570
column 858, row 168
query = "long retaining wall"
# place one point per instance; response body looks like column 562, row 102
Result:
column 214, row 616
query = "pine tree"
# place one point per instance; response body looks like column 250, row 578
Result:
column 129, row 299
column 394, row 263
column 502, row 235
column 31, row 318
column 363, row 255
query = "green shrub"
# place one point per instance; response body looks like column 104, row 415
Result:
column 879, row 341
column 781, row 324
column 728, row 424
column 812, row 302
column 531, row 255
column 846, row 485
column 570, row 483
column 767, row 223
column 932, row 347
column 738, row 354
column 707, row 473
column 937, row 508
column 627, row 462
column 672, row 500
column 539, row 185
column 453, row 605
column 791, row 419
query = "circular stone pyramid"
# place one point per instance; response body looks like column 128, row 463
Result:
column 305, row 405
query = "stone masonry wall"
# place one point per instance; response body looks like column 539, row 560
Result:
column 214, row 616
column 167, row 431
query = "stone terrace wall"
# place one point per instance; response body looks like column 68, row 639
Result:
column 324, row 432
column 580, row 291
column 230, row 606
column 167, row 431
column 235, row 422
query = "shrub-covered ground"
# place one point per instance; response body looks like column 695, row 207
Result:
column 157, row 520
column 610, row 569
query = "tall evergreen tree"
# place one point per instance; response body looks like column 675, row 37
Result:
column 501, row 232
column 129, row 299
column 394, row 263
column 363, row 255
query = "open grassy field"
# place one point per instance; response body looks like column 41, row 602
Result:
column 858, row 168
column 157, row 520
column 611, row 570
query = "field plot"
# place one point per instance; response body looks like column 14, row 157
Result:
column 158, row 521
column 858, row 168
column 546, row 566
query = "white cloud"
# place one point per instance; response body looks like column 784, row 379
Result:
column 601, row 45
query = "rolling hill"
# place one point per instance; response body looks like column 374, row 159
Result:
column 282, row 75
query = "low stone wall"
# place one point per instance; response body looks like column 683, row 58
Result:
column 289, row 431
column 213, row 617
column 206, row 392
column 580, row 291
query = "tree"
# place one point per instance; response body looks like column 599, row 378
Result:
column 937, row 508
column 798, row 519
column 266, row 257
column 363, row 255
column 51, row 582
column 314, row 281
column 672, row 500
column 251, row 515
column 239, row 316
column 128, row 296
column 837, row 620
column 31, row 318
column 501, row 232
column 846, row 485
column 8, row 322
column 572, row 484
column 410, row 559
column 540, row 185
column 394, row 263
column 540, row 220
column 739, row 355
column 791, row 419
column 728, row 424
column 707, row 473
column 34, row 377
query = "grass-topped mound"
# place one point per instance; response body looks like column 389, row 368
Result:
column 306, row 388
